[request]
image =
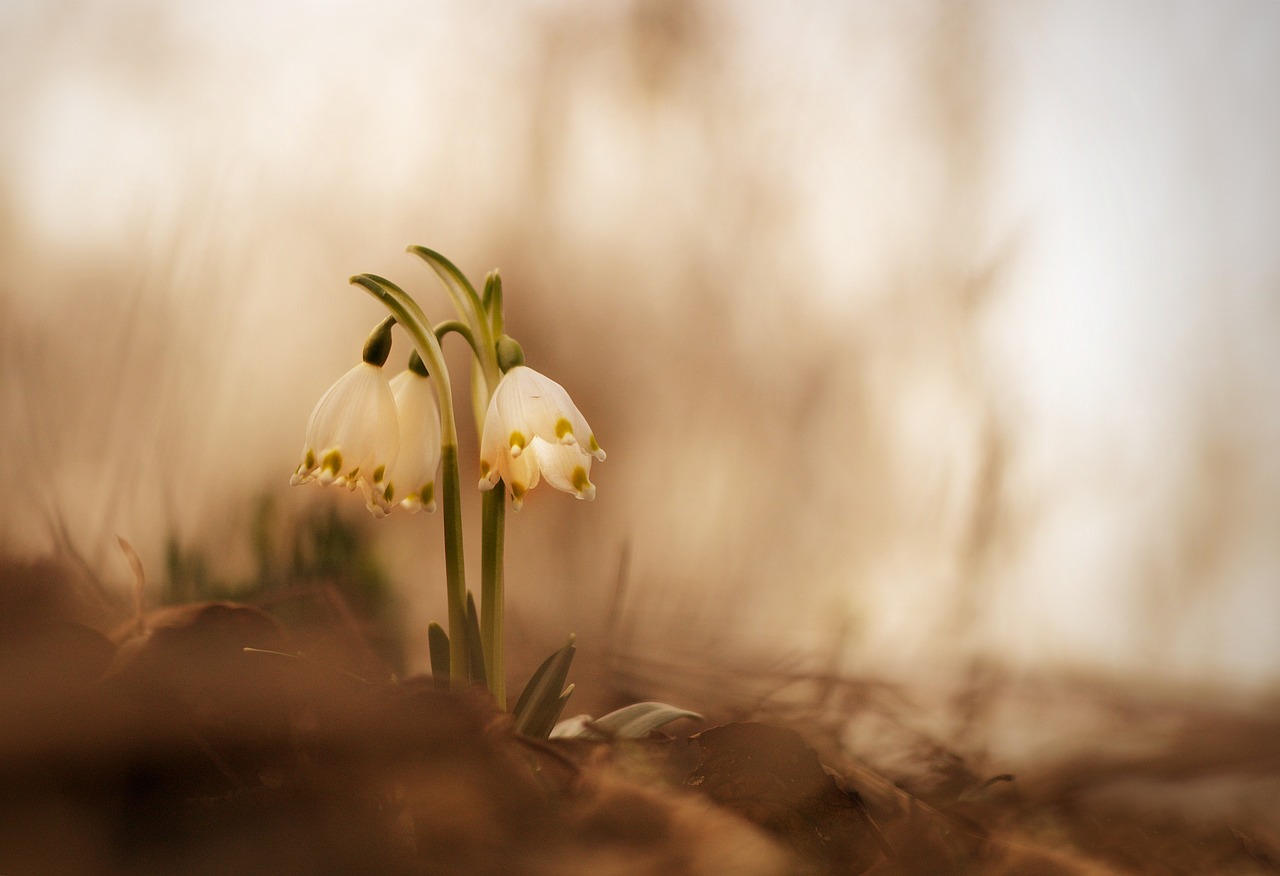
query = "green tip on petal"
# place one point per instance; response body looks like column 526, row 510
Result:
column 581, row 482
column 564, row 429
column 517, row 442
column 309, row 460
column 332, row 462
column 378, row 473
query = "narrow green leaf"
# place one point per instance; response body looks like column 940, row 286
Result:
column 486, row 297
column 522, row 703
column 455, row 283
column 546, row 718
column 492, row 302
column 554, row 716
column 438, row 645
column 475, row 648
column 541, row 702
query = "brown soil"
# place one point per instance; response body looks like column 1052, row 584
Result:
column 168, row 747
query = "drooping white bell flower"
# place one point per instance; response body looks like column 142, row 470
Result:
column 353, row 436
column 419, row 456
column 533, row 430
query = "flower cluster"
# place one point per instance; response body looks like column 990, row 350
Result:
column 384, row 437
column 381, row 436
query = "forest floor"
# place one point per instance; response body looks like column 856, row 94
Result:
column 165, row 746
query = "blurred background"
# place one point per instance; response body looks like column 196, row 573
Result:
column 918, row 334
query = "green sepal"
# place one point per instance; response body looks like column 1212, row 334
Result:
column 509, row 352
column 377, row 347
column 417, row 366
column 543, row 698
column 475, row 648
column 438, row 645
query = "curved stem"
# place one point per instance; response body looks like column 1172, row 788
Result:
column 460, row 328
column 415, row 323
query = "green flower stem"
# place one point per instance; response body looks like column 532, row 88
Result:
column 415, row 323
column 492, row 586
column 480, row 393
column 485, row 317
column 460, row 328
column 455, row 573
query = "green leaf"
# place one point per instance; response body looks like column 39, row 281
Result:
column 475, row 648
column 455, row 283
column 553, row 717
column 543, row 698
column 438, row 645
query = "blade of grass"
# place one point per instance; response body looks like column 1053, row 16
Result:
column 438, row 644
column 541, row 702
column 474, row 646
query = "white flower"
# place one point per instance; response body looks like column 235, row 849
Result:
column 533, row 430
column 419, row 457
column 353, row 436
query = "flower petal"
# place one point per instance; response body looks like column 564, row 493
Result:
column 492, row 447
column 521, row 474
column 565, row 467
column 411, row 479
column 353, row 434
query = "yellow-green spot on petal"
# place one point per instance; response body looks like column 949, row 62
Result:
column 518, row 490
column 517, row 439
column 351, row 475
column 484, row 469
column 378, row 473
column 580, row 479
column 428, row 493
column 332, row 461
column 591, row 442
column 388, row 491
column 563, row 428
column 309, row 461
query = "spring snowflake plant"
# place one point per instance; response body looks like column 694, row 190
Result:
column 391, row 438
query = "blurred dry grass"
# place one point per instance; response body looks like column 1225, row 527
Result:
column 805, row 274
